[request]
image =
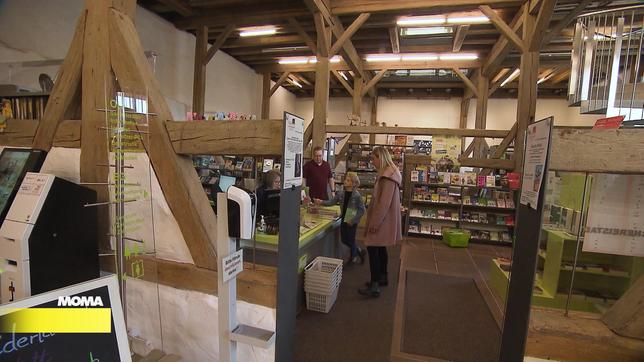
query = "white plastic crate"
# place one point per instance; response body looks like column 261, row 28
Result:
column 321, row 288
column 319, row 302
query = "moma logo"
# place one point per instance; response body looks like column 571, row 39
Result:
column 77, row 301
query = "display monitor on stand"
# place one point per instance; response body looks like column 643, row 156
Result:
column 14, row 164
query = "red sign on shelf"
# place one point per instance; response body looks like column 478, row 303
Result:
column 609, row 123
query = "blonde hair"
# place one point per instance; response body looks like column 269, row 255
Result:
column 354, row 178
column 385, row 157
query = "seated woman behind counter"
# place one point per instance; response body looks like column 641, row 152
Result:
column 269, row 190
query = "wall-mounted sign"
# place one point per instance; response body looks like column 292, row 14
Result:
column 536, row 151
column 293, row 150
column 615, row 222
column 609, row 123
column 232, row 265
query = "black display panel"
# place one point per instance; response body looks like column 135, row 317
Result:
column 14, row 164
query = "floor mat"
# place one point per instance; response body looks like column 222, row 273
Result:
column 446, row 317
column 357, row 328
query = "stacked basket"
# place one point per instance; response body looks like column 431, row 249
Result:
column 321, row 283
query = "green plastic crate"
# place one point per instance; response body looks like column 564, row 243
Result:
column 456, row 238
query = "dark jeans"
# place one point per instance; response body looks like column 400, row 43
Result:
column 377, row 262
column 348, row 237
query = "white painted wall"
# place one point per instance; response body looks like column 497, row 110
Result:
column 445, row 113
column 37, row 30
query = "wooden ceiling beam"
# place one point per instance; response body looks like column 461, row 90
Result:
column 467, row 81
column 263, row 41
column 341, row 7
column 342, row 81
column 419, row 85
column 459, row 37
column 348, row 33
column 435, row 64
column 373, row 81
column 557, row 28
column 178, row 6
column 394, row 39
column 501, row 49
column 303, row 34
column 279, row 82
column 541, row 24
column 219, row 42
column 503, row 27
column 241, row 16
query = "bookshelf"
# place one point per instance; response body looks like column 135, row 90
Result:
column 358, row 160
column 25, row 105
column 483, row 205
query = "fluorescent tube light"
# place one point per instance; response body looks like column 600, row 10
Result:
column 335, row 59
column 293, row 61
column 294, row 82
column 313, row 60
column 344, row 76
column 468, row 20
column 257, row 31
column 511, row 77
column 458, row 56
column 434, row 30
column 419, row 57
column 383, row 58
column 421, row 20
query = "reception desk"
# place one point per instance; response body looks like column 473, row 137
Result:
column 319, row 236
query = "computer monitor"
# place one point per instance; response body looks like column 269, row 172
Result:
column 271, row 205
column 14, row 164
column 225, row 182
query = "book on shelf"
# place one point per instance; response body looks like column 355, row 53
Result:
column 467, row 200
column 490, row 181
column 433, row 177
column 455, row 178
column 443, row 177
column 414, row 176
column 470, row 179
column 480, row 181
column 500, row 203
column 435, row 198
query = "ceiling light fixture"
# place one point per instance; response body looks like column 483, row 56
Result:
column 458, row 56
column 258, row 31
column 294, row 82
column 383, row 58
column 293, row 61
column 511, row 77
column 419, row 57
column 432, row 30
column 335, row 59
column 468, row 19
column 421, row 20
column 344, row 76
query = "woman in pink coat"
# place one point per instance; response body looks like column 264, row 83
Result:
column 383, row 227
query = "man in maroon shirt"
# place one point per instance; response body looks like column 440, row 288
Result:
column 317, row 175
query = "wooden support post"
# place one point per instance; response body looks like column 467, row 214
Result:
column 321, row 100
column 65, row 89
column 277, row 84
column 483, row 85
column 527, row 92
column 176, row 174
column 358, row 83
column 98, row 87
column 199, row 84
column 266, row 96
column 322, row 69
column 465, row 106
column 374, row 118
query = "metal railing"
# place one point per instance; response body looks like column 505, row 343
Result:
column 607, row 71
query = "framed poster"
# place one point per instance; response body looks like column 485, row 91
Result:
column 536, row 152
column 293, row 150
column 615, row 223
